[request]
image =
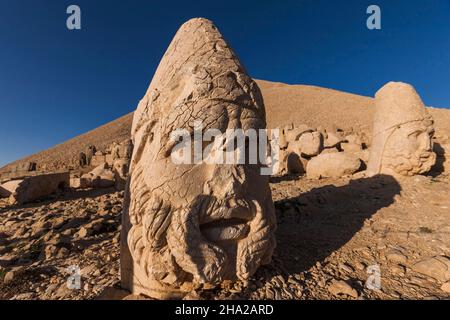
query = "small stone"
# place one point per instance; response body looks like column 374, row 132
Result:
column 24, row 296
column 50, row 289
column 49, row 252
column 63, row 252
column 398, row 269
column 97, row 273
column 446, row 287
column 110, row 293
column 360, row 266
column 345, row 267
column 86, row 271
column 396, row 256
column 63, row 291
column 437, row 268
column 84, row 232
column 67, row 232
column 9, row 277
column 339, row 287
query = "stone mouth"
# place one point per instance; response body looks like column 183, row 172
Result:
column 232, row 229
column 425, row 155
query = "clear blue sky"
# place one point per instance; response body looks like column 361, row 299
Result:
column 56, row 83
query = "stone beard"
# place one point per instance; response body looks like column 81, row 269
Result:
column 191, row 224
column 409, row 149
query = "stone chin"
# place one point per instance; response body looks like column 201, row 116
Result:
column 408, row 165
column 223, row 239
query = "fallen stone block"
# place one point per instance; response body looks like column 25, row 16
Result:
column 33, row 188
column 332, row 165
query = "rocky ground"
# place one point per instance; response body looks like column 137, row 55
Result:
column 333, row 236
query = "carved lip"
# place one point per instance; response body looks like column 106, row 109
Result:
column 226, row 224
column 225, row 229
column 425, row 155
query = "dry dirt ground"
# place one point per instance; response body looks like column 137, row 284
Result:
column 332, row 236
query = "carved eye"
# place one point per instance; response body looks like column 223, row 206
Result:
column 415, row 134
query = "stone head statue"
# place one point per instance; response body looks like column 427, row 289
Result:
column 120, row 168
column 402, row 133
column 190, row 224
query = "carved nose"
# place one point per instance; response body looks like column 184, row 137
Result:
column 232, row 181
column 426, row 142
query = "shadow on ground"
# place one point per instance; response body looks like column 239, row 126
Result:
column 316, row 223
column 67, row 195
column 438, row 167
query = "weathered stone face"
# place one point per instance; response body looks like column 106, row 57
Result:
column 194, row 223
column 402, row 135
column 120, row 169
column 409, row 150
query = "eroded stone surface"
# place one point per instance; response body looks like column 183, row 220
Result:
column 36, row 187
column 332, row 165
column 100, row 177
column 200, row 223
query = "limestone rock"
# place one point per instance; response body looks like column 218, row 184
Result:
column 175, row 216
column 9, row 277
column 36, row 187
column 402, row 132
column 8, row 188
column 120, row 169
column 100, row 177
column 25, row 167
column 295, row 133
column 354, row 139
column 333, row 139
column 126, row 149
column 396, row 256
column 98, row 159
column 283, row 142
column 446, row 287
column 332, row 165
column 329, row 150
column 351, row 147
column 436, row 267
column 113, row 294
column 90, row 152
column 339, row 287
column 310, row 143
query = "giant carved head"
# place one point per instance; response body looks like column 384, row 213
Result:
column 194, row 223
column 402, row 133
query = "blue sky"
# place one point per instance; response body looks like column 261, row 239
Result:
column 56, row 84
